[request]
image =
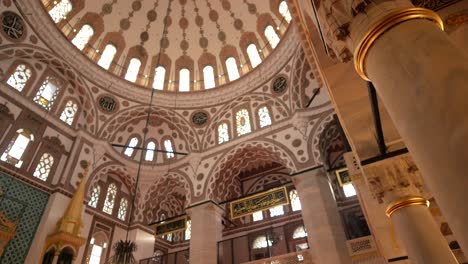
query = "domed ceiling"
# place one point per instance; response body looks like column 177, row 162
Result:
column 187, row 34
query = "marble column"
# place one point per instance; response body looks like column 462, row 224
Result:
column 421, row 77
column 326, row 237
column 206, row 232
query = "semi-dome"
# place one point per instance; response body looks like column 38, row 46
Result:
column 182, row 45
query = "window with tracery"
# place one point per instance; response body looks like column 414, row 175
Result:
column 349, row 190
column 48, row 92
column 184, row 80
column 208, row 77
column 95, row 196
column 169, row 237
column 271, row 36
column 159, row 78
column 69, row 112
column 233, row 71
column 122, row 213
column 107, row 56
column 110, row 199
column 83, row 37
column 257, row 216
column 295, row 202
column 243, row 122
column 254, row 56
column 150, row 147
column 223, row 133
column 261, row 242
column 132, row 70
column 264, row 116
column 299, row 232
column 168, row 148
column 276, row 211
column 130, row 148
column 20, row 77
column 284, row 11
column 15, row 150
column 60, row 10
column 188, row 230
column 44, row 166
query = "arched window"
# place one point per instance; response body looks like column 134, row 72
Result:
column 83, row 36
column 243, row 122
column 69, row 112
column 107, row 56
column 264, row 116
column 110, row 199
column 184, row 80
column 299, row 232
column 168, row 148
column 16, row 148
column 295, row 202
column 48, row 92
column 271, row 36
column 208, row 77
column 122, row 214
column 261, row 242
column 60, row 11
column 150, row 147
column 188, row 230
column 169, row 237
column 132, row 70
column 159, row 76
column 254, row 56
column 223, row 133
column 233, row 71
column 276, row 211
column 95, row 196
column 20, row 77
column 44, row 166
column 284, row 11
column 257, row 216
column 129, row 150
column 349, row 190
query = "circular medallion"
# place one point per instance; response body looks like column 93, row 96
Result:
column 108, row 104
column 12, row 25
column 280, row 85
column 199, row 118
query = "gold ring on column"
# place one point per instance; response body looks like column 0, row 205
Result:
column 405, row 202
column 385, row 23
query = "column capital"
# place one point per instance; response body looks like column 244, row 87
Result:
column 205, row 205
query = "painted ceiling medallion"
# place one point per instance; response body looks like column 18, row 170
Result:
column 108, row 104
column 12, row 25
column 199, row 118
column 280, row 85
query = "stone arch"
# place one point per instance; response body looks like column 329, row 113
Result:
column 270, row 178
column 315, row 135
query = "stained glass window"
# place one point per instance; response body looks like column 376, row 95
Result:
column 261, row 242
column 16, row 148
column 69, row 112
column 208, row 77
column 184, row 80
column 254, row 56
column 44, row 166
column 284, row 11
column 20, row 77
column 83, row 36
column 349, row 190
column 95, row 196
column 295, row 202
column 188, row 230
column 243, row 122
column 159, row 78
column 60, row 10
column 122, row 214
column 129, row 150
column 233, row 71
column 271, row 36
column 48, row 92
column 257, row 216
column 264, row 116
column 168, row 147
column 276, row 211
column 223, row 133
column 110, row 199
column 133, row 69
column 299, row 232
column 150, row 147
column 107, row 56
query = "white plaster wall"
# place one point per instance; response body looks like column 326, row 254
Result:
column 145, row 242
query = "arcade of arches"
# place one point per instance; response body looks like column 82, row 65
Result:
column 118, row 117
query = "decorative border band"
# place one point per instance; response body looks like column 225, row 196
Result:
column 385, row 23
column 405, row 202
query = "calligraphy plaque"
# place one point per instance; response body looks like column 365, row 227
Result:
column 107, row 103
column 171, row 226
column 259, row 202
column 343, row 176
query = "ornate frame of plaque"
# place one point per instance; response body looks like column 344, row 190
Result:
column 107, row 103
column 259, row 202
column 171, row 226
column 343, row 176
